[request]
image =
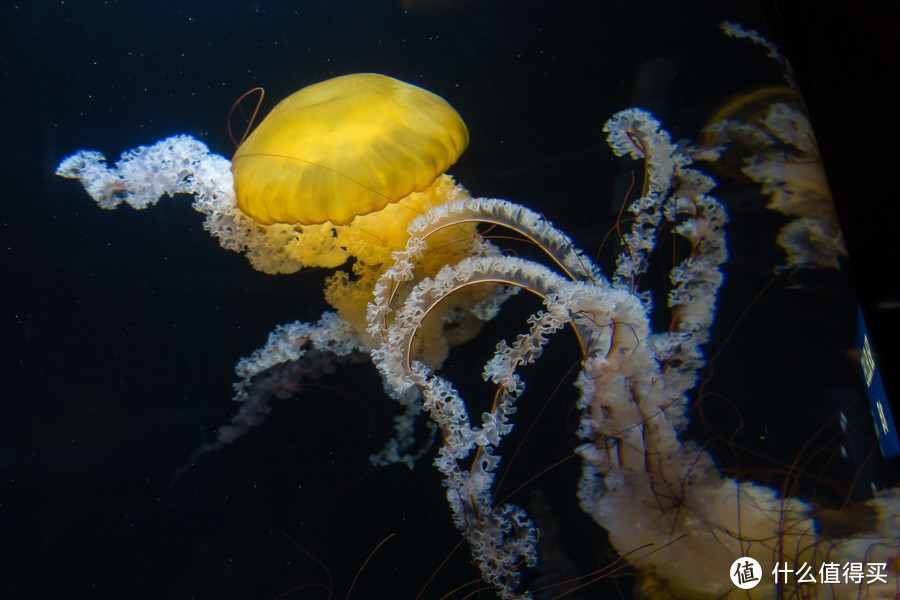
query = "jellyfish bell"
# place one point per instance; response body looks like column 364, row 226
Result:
column 345, row 147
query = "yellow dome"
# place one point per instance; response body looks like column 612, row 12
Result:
column 345, row 147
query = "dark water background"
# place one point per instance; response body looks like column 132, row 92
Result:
column 121, row 329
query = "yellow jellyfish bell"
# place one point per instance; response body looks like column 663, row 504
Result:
column 344, row 147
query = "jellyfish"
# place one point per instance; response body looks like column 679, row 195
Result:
column 423, row 277
column 768, row 136
column 770, row 139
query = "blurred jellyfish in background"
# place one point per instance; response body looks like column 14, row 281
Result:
column 768, row 136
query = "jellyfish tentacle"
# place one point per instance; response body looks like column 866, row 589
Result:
column 636, row 133
column 556, row 244
column 628, row 399
column 590, row 307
